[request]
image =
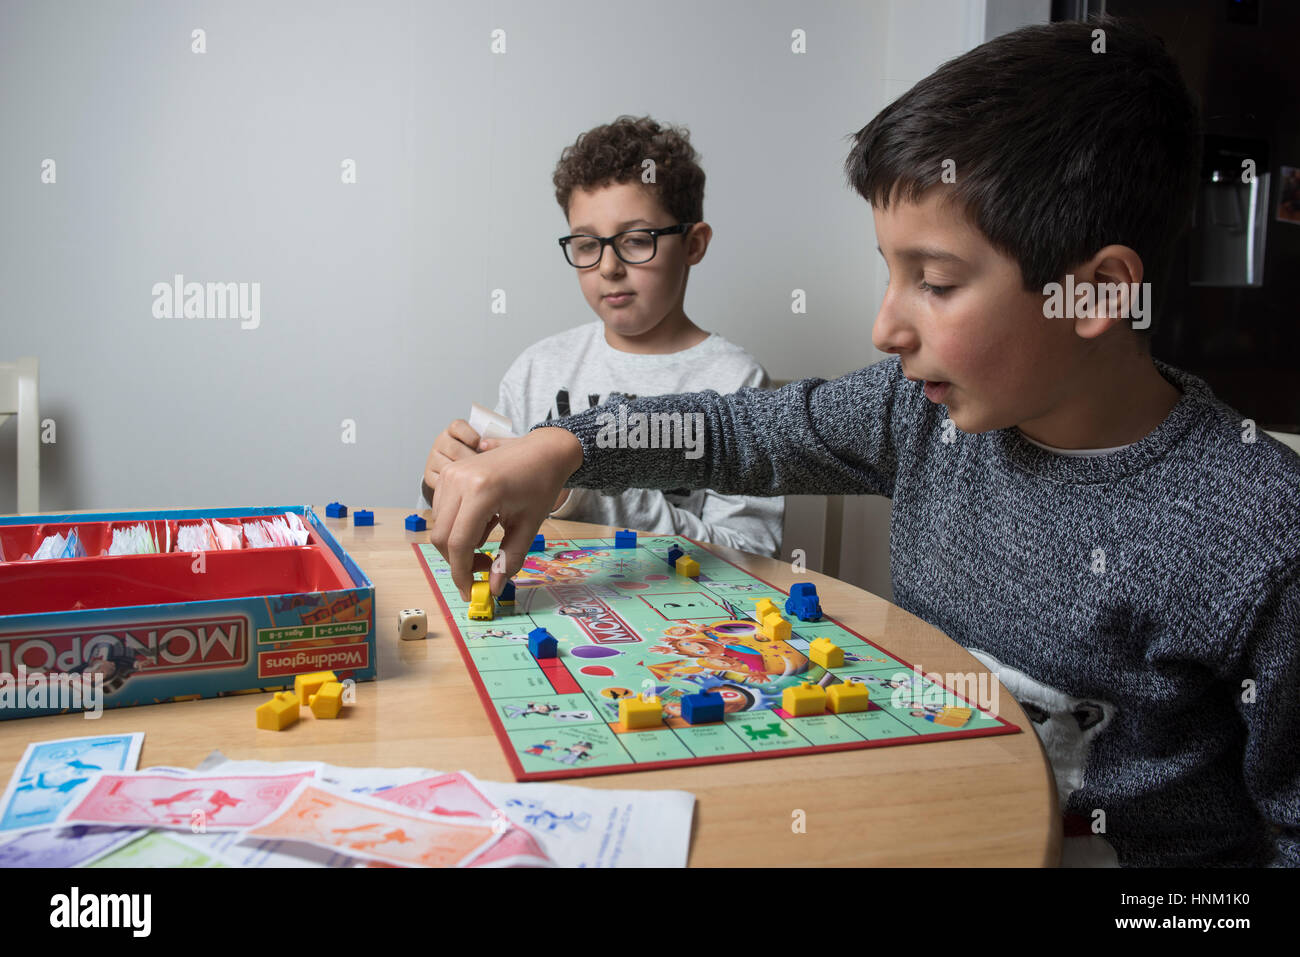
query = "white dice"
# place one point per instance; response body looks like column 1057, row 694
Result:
column 412, row 624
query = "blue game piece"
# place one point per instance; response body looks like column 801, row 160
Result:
column 803, row 602
column 674, row 553
column 415, row 523
column 363, row 517
column 541, row 644
column 702, row 708
column 335, row 510
column 507, row 596
column 539, row 544
column 625, row 539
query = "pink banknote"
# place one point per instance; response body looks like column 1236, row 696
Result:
column 449, row 794
column 219, row 803
column 379, row 830
column 454, row 795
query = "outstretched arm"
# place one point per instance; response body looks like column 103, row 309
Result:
column 811, row 437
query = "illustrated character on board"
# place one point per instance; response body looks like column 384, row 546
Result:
column 496, row 633
column 885, row 685
column 1066, row 726
column 729, row 650
column 575, row 753
column 552, row 711
column 561, row 568
column 735, row 697
column 532, row 707
column 589, row 612
column 615, row 694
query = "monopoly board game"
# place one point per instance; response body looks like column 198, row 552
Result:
column 626, row 623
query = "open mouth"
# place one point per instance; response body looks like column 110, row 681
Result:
column 935, row 391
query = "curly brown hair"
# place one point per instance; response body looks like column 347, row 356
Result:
column 613, row 153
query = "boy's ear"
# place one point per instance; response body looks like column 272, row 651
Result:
column 1112, row 274
column 697, row 243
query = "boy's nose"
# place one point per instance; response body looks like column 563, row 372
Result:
column 610, row 264
column 892, row 332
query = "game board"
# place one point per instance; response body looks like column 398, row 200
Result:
column 627, row 623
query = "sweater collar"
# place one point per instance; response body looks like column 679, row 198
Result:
column 1073, row 470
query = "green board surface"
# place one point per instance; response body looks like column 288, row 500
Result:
column 627, row 624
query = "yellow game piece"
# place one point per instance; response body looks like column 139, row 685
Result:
column 764, row 607
column 826, row 653
column 327, row 702
column 847, row 697
column 688, row 566
column 774, row 626
column 278, row 713
column 640, row 712
column 952, row 717
column 480, row 601
column 804, row 699
column 304, row 686
column 484, row 574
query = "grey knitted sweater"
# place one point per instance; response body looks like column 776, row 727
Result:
column 1143, row 605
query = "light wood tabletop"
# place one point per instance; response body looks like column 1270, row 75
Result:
column 975, row 802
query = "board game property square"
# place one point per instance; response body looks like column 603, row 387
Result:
column 627, row 623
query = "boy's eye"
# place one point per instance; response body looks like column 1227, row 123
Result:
column 937, row 290
column 636, row 242
column 585, row 245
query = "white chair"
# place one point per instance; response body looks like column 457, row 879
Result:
column 1287, row 438
column 18, row 396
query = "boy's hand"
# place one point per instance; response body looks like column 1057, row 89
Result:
column 457, row 441
column 487, row 445
column 516, row 483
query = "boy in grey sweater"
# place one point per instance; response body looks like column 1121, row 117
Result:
column 1117, row 544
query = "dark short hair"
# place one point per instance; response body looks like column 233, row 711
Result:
column 614, row 153
column 1059, row 151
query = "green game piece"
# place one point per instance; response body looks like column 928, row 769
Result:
column 762, row 734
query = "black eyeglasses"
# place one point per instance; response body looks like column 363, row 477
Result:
column 633, row 246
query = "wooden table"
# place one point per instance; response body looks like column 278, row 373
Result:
column 984, row 802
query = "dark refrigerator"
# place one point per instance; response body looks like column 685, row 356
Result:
column 1231, row 311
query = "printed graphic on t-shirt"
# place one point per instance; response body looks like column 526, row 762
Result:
column 562, row 408
column 1066, row 726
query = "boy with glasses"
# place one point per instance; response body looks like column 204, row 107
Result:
column 632, row 244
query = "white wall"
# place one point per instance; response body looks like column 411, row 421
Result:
column 375, row 297
column 1003, row 16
